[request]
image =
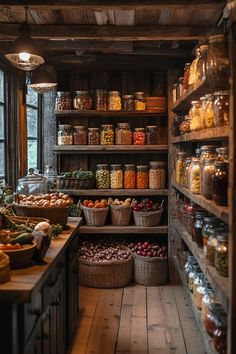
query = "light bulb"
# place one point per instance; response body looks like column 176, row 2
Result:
column 24, row 56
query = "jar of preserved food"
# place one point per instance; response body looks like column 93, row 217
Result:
column 123, row 134
column 93, row 136
column 194, row 74
column 202, row 103
column 208, row 111
column 180, row 89
column 63, row 101
column 209, row 223
column 201, row 290
column 139, row 136
column 190, row 221
column 139, row 101
column 101, row 100
column 174, row 92
column 102, row 176
column 207, row 151
column 199, row 220
column 175, row 126
column 221, row 108
column 180, row 168
column 195, row 116
column 116, row 176
column 188, row 267
column 114, row 101
column 142, row 177
column 186, row 76
column 207, row 299
column 218, row 62
column 221, row 253
column 192, row 276
column 202, row 63
column 220, row 333
column 185, row 125
column 207, row 171
column 152, row 137
column 157, row 175
column 80, row 136
column 220, row 183
column 214, row 312
column 107, row 134
column 222, row 154
column 211, row 245
column 194, row 176
column 129, row 176
column 198, row 281
column 82, row 100
column 65, row 135
column 128, row 102
column 188, row 161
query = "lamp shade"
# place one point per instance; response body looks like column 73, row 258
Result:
column 41, row 81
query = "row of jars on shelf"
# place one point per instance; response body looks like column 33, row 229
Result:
column 123, row 135
column 206, row 173
column 211, row 64
column 213, row 317
column 132, row 176
column 210, row 111
column 102, row 100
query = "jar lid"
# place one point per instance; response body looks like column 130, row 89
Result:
column 200, row 214
column 222, row 150
column 107, row 125
column 114, row 93
column 64, row 126
column 157, row 163
column 123, row 125
column 116, row 165
column 32, row 177
column 139, row 129
column 130, row 165
column 102, row 165
column 142, row 166
column 79, row 127
column 63, row 93
column 151, row 126
column 194, row 102
column 138, row 93
column 209, row 159
column 208, row 147
column 91, row 129
column 221, row 93
column 202, row 98
column 126, row 97
column 187, row 64
column 81, row 93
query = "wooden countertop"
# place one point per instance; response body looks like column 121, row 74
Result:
column 25, row 282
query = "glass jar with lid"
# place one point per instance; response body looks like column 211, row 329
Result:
column 222, row 154
column 207, row 299
column 207, row 171
column 185, row 125
column 157, row 175
column 176, row 125
column 180, row 168
column 129, row 176
column 187, row 165
column 102, row 176
column 220, row 334
column 190, row 220
column 192, row 276
column 189, row 266
column 207, row 151
column 142, row 177
column 174, row 92
column 101, row 100
column 116, row 176
column 51, row 176
column 123, row 134
column 218, row 62
column 209, row 223
column 63, row 101
column 107, row 134
column 180, row 87
column 202, row 63
column 195, row 176
column 201, row 290
column 139, row 101
column 221, row 108
column 186, row 76
column 128, row 102
column 220, row 183
column 221, row 253
column 139, row 136
column 32, row 183
column 211, row 245
column 194, row 75
column 215, row 311
column 198, row 281
column 79, row 135
column 202, row 103
column 195, row 116
column 114, row 101
column 93, row 136
column 208, row 111
column 65, row 134
column 198, row 225
column 152, row 136
column 82, row 100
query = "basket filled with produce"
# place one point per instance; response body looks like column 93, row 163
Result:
column 104, row 264
column 147, row 213
column 120, row 211
column 95, row 213
column 76, row 180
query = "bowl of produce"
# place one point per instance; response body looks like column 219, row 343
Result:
column 147, row 213
column 80, row 179
column 95, row 213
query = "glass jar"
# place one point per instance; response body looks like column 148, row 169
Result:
column 186, row 76
column 174, row 92
column 207, row 151
column 152, row 137
column 65, row 135
column 207, row 299
column 114, row 101
column 63, row 101
column 180, row 168
column 123, row 134
column 192, row 276
column 220, row 334
column 176, row 125
column 101, row 100
column 221, row 253
column 79, row 135
column 139, row 101
column 128, row 102
column 222, row 154
column 194, row 74
column 51, row 176
column 218, row 62
column 214, row 312
column 102, row 176
column 82, row 100
column 129, row 176
column 221, row 108
column 93, row 136
column 198, row 281
column 202, row 103
column 211, row 245
column 116, row 176
column 209, row 223
column 187, row 165
column 209, row 111
column 32, row 183
column 180, row 89
column 107, row 134
column 142, row 177
column 195, row 116
column 185, row 125
column 201, row 290
column 199, row 220
column 203, row 62
column 188, row 267
column 207, row 171
column 194, row 176
column 139, row 136
column 157, row 175
column 197, row 152
column 190, row 220
column 220, row 183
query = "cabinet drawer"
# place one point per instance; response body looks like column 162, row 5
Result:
column 32, row 313
column 52, row 284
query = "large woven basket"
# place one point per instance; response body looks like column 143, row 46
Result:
column 21, row 257
column 147, row 218
column 5, row 269
column 150, row 271
column 95, row 216
column 120, row 215
column 75, row 183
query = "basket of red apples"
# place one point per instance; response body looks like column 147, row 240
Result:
column 147, row 213
column 150, row 263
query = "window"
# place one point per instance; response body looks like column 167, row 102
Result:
column 2, row 124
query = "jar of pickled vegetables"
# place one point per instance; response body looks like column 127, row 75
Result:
column 80, row 136
column 195, row 116
column 129, row 176
column 157, row 175
column 128, row 102
column 188, row 161
column 207, row 151
column 82, row 100
column 116, row 176
column 220, row 334
column 93, row 136
column 192, row 276
column 198, row 281
column 207, row 299
column 208, row 110
column 65, row 135
column 185, row 125
column 142, row 177
column 114, row 101
column 222, row 154
column 209, row 223
column 152, row 137
column 201, row 290
column 139, row 101
column 102, row 176
column 207, row 171
column 221, row 253
column 211, row 245
column 180, row 168
column 214, row 312
column 221, row 108
column 123, row 134
column 198, row 225
column 195, row 176
column 220, row 183
column 107, row 134
column 139, row 136
column 189, row 266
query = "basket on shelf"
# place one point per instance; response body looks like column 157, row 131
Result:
column 120, row 215
column 4, row 268
column 74, row 183
column 150, row 271
column 148, row 218
column 95, row 216
column 21, row 257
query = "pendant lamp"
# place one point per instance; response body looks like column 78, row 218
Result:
column 41, row 81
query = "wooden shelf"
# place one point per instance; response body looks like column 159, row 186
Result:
column 109, row 229
column 222, row 212
column 206, row 134
column 115, row 192
column 218, row 283
column 113, row 149
column 94, row 113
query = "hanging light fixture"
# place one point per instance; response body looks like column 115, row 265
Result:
column 25, row 53
column 41, row 81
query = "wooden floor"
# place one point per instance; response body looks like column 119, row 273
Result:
column 136, row 320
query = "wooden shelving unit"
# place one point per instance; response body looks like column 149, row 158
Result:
column 109, row 229
column 115, row 192
column 206, row 134
column 112, row 149
column 94, row 113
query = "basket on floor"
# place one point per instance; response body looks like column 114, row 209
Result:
column 113, row 274
column 95, row 216
column 150, row 271
column 120, row 215
column 147, row 218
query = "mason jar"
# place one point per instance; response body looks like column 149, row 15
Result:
column 128, row 102
column 123, row 134
column 139, row 136
column 102, row 176
column 93, row 136
column 129, row 176
column 221, row 108
column 139, row 101
column 157, row 175
column 63, row 101
column 207, row 172
column 82, row 100
column 79, row 135
column 198, row 225
column 180, row 168
column 114, row 101
column 222, row 154
column 221, row 253
column 195, row 176
column 142, row 177
column 220, row 183
column 107, row 134
column 195, row 116
column 209, row 223
column 209, row 111
column 152, row 137
column 116, row 176
column 65, row 135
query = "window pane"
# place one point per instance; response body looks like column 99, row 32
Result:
column 2, row 160
column 1, row 86
column 32, row 122
column 32, row 154
column 31, row 97
column 1, row 122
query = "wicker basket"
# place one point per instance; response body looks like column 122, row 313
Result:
column 147, row 218
column 5, row 269
column 120, row 215
column 114, row 274
column 21, row 257
column 74, row 183
column 95, row 216
column 150, row 271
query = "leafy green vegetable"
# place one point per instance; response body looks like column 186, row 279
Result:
column 56, row 230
